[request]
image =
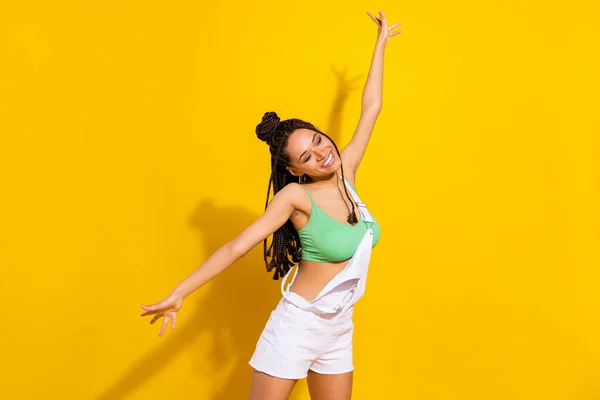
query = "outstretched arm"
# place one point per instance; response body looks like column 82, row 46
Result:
column 278, row 211
column 371, row 104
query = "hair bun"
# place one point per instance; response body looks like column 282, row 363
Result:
column 267, row 127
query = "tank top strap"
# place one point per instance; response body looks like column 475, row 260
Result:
column 308, row 191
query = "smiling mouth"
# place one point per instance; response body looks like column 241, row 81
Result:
column 329, row 160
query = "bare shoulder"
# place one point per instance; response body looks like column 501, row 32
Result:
column 294, row 194
column 281, row 207
column 349, row 170
column 350, row 178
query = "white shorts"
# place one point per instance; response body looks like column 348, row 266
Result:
column 294, row 341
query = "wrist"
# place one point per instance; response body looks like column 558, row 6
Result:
column 179, row 293
column 380, row 45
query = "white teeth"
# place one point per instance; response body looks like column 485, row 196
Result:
column 329, row 160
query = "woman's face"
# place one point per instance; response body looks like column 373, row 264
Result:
column 311, row 153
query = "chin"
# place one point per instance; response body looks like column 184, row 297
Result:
column 333, row 167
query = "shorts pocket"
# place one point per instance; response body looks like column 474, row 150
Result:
column 294, row 319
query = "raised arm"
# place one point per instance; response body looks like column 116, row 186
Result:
column 371, row 104
column 278, row 211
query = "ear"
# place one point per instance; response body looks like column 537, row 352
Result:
column 294, row 171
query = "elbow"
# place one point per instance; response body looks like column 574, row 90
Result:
column 236, row 249
column 372, row 108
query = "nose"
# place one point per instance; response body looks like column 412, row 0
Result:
column 322, row 154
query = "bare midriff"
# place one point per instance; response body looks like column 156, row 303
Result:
column 314, row 276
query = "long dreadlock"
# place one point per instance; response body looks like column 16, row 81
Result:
column 286, row 241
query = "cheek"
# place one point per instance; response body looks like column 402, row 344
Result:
column 303, row 167
column 315, row 164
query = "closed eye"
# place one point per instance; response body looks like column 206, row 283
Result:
column 318, row 143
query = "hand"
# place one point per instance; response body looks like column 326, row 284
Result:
column 344, row 83
column 166, row 308
column 384, row 32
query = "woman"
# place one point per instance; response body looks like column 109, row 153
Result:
column 317, row 220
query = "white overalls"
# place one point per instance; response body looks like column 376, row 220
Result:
column 317, row 334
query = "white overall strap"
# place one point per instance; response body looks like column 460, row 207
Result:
column 362, row 257
column 283, row 290
column 330, row 301
column 362, row 207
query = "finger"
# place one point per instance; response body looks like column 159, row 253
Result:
column 164, row 325
column 154, row 307
column 173, row 321
column 395, row 32
column 147, row 313
column 383, row 19
column 155, row 318
column 355, row 79
column 376, row 20
column 397, row 24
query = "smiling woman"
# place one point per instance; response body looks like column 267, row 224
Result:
column 318, row 221
column 320, row 151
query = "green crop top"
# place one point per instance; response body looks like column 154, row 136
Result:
column 325, row 239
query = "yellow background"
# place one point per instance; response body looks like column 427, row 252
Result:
column 128, row 155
